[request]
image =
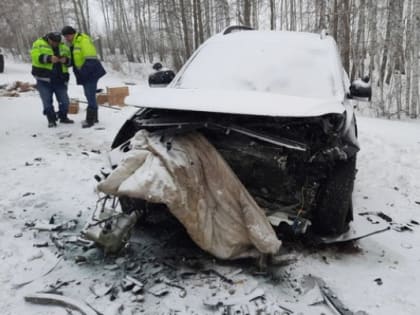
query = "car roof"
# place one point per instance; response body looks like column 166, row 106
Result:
column 262, row 59
column 198, row 86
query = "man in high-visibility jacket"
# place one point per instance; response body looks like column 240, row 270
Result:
column 87, row 68
column 50, row 62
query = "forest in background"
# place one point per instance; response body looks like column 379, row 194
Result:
column 379, row 38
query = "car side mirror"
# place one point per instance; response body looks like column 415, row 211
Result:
column 361, row 89
column 161, row 78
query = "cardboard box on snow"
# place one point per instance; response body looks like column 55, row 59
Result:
column 101, row 98
column 116, row 95
column 73, row 107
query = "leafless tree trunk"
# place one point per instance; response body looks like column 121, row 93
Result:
column 272, row 14
column 185, row 29
column 415, row 95
column 247, row 12
column 346, row 35
column 358, row 57
column 106, row 15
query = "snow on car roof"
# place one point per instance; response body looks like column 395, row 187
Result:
column 288, row 63
column 256, row 73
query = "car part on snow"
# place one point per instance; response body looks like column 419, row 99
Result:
column 111, row 230
column 372, row 216
column 330, row 299
column 55, row 299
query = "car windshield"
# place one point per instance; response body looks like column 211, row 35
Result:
column 298, row 64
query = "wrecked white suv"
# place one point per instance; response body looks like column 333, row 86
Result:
column 275, row 105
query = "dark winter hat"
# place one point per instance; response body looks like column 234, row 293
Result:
column 54, row 36
column 68, row 30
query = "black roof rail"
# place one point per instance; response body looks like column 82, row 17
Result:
column 233, row 28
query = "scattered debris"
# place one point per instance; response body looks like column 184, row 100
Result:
column 20, row 285
column 55, row 299
column 392, row 225
column 113, row 293
column 79, row 259
column 111, row 267
column 226, row 299
column 35, row 256
column 138, row 298
column 401, row 228
column 52, row 219
column 69, row 225
column 384, row 216
column 378, row 281
column 159, row 289
column 406, row 246
column 43, row 244
column 212, row 271
column 329, row 298
column 100, row 289
column 183, row 292
column 283, row 260
column 14, row 89
column 56, row 239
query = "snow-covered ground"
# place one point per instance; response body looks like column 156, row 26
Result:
column 46, row 172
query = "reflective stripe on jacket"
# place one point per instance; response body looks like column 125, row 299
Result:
column 41, row 54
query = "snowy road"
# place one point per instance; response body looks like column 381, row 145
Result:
column 46, row 172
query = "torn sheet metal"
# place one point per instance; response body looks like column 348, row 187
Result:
column 199, row 189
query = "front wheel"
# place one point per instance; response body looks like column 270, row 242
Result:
column 334, row 208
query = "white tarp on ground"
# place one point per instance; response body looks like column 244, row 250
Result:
column 199, row 189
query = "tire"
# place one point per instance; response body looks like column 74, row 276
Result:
column 334, row 208
column 1, row 63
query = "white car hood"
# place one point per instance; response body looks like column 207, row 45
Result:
column 233, row 102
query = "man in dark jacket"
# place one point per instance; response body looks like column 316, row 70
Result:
column 50, row 62
column 87, row 69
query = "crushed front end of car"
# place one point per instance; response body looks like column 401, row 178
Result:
column 275, row 123
column 286, row 163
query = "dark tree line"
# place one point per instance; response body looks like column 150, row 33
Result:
column 379, row 38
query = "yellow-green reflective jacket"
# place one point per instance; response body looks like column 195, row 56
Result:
column 41, row 57
column 83, row 49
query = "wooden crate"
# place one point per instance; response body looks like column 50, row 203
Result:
column 101, row 98
column 116, row 95
column 73, row 107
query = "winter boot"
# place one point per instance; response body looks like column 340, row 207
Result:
column 95, row 120
column 52, row 120
column 66, row 120
column 90, row 118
